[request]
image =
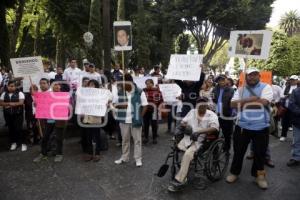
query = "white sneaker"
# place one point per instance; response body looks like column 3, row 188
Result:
column 120, row 161
column 282, row 139
column 138, row 163
column 24, row 147
column 13, row 146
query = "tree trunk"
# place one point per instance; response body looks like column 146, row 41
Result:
column 37, row 38
column 142, row 37
column 16, row 28
column 95, row 52
column 60, row 55
column 106, row 34
column 121, row 10
column 4, row 38
column 166, row 44
column 23, row 39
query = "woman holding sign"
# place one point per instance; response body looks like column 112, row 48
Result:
column 92, row 131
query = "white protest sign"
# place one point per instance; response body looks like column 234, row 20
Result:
column 250, row 44
column 25, row 67
column 92, row 101
column 140, row 81
column 184, row 67
column 28, row 67
column 170, row 92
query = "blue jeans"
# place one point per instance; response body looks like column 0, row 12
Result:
column 296, row 144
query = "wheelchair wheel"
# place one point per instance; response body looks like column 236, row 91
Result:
column 217, row 161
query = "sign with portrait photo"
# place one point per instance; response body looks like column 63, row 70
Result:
column 250, row 44
column 122, row 36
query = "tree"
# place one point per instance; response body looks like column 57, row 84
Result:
column 290, row 22
column 143, row 50
column 4, row 36
column 106, row 33
column 217, row 18
column 182, row 43
column 95, row 27
column 279, row 61
column 294, row 45
column 220, row 59
column 16, row 27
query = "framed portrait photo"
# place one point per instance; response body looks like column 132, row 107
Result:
column 250, row 44
column 122, row 36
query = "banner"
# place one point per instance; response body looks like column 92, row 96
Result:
column 250, row 44
column 184, row 67
column 265, row 77
column 92, row 101
column 170, row 92
column 28, row 67
column 140, row 81
column 52, row 105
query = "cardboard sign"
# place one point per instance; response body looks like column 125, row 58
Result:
column 122, row 36
column 28, row 67
column 140, row 81
column 250, row 44
column 52, row 105
column 170, row 92
column 265, row 77
column 184, row 67
column 92, row 101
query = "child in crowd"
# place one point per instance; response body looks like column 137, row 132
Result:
column 13, row 104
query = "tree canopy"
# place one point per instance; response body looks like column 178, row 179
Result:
column 54, row 29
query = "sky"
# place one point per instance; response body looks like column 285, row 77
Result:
column 280, row 7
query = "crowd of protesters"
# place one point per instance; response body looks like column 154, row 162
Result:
column 245, row 115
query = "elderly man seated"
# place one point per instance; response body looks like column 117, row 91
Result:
column 202, row 122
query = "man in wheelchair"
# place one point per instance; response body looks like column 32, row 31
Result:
column 195, row 126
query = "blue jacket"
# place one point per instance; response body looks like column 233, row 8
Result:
column 294, row 107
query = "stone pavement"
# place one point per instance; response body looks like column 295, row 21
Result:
column 21, row 179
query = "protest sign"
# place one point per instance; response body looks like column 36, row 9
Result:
column 140, row 81
column 122, row 36
column 28, row 67
column 250, row 44
column 52, row 105
column 92, row 101
column 265, row 77
column 184, row 67
column 170, row 92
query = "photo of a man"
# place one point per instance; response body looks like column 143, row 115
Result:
column 122, row 36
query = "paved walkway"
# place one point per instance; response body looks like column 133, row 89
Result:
column 74, row 179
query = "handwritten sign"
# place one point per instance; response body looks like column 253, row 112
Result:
column 140, row 81
column 28, row 67
column 92, row 101
column 52, row 105
column 185, row 67
column 265, row 77
column 170, row 92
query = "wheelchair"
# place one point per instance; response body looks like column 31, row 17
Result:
column 210, row 161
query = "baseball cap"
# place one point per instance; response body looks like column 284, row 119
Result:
column 294, row 77
column 251, row 70
column 85, row 61
column 92, row 65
